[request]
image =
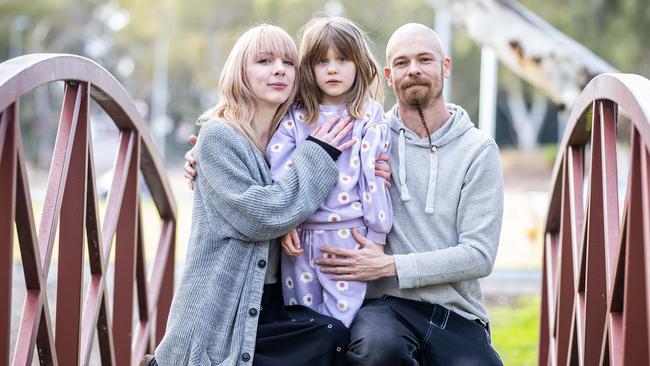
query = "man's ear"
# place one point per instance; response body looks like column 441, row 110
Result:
column 446, row 67
column 388, row 76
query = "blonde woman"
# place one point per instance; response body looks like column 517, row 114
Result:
column 227, row 309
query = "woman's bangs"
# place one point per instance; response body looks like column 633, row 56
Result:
column 274, row 43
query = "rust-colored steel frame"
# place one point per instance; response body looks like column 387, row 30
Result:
column 71, row 203
column 596, row 266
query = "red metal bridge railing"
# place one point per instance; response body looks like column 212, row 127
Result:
column 71, row 202
column 596, row 269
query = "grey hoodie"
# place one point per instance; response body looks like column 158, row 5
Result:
column 448, row 207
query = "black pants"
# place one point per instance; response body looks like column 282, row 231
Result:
column 297, row 335
column 396, row 331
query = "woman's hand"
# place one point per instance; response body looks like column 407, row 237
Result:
column 291, row 243
column 190, row 173
column 332, row 134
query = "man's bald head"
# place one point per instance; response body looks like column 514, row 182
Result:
column 408, row 32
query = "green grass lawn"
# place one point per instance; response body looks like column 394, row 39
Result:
column 515, row 331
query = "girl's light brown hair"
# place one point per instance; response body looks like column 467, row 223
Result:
column 348, row 40
column 238, row 104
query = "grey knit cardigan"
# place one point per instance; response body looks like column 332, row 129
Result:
column 237, row 211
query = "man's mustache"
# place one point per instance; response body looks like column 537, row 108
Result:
column 415, row 81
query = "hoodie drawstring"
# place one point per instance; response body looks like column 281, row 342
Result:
column 433, row 172
column 401, row 153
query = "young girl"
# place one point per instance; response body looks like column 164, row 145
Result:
column 338, row 75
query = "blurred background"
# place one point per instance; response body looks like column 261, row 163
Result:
column 168, row 55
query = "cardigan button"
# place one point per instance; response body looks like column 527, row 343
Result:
column 252, row 312
column 261, row 263
column 245, row 357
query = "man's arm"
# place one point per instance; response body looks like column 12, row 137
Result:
column 480, row 213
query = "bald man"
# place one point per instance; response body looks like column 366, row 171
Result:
column 423, row 304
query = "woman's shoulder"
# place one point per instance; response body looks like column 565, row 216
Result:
column 219, row 137
column 219, row 133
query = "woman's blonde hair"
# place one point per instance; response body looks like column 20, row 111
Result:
column 348, row 40
column 237, row 106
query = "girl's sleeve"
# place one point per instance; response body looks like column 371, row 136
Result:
column 282, row 145
column 257, row 212
column 375, row 199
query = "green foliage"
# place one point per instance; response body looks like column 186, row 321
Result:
column 515, row 331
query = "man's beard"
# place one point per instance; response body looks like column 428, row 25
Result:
column 422, row 97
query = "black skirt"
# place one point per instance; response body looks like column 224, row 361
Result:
column 297, row 335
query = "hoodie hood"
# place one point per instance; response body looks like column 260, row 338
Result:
column 457, row 124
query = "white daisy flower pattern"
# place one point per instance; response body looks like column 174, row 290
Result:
column 344, row 179
column 344, row 197
column 292, row 301
column 356, row 206
column 290, row 124
column 366, row 197
column 288, row 165
column 289, row 282
column 307, row 299
column 342, row 305
column 333, row 217
column 354, row 162
column 382, row 215
column 371, row 163
column 342, row 285
column 343, row 233
column 306, row 277
column 365, row 146
column 276, row 147
column 372, row 187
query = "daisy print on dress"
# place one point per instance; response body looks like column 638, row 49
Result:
column 366, row 197
column 342, row 305
column 289, row 164
column 356, row 206
column 382, row 215
column 293, row 301
column 333, row 217
column 289, row 282
column 276, row 147
column 344, row 179
column 290, row 124
column 343, row 233
column 344, row 197
column 342, row 285
column 354, row 162
column 306, row 277
column 365, row 146
column 307, row 299
column 372, row 187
